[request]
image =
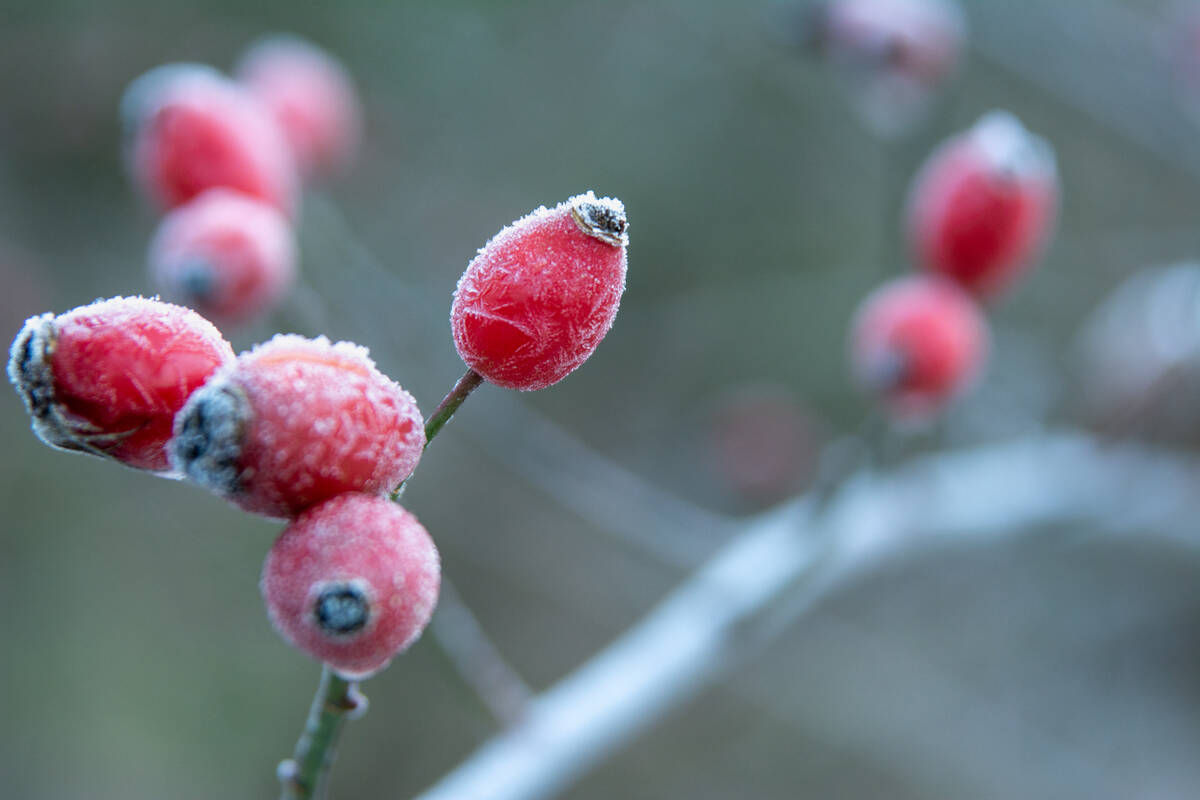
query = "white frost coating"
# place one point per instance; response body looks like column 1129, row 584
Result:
column 318, row 345
column 1010, row 148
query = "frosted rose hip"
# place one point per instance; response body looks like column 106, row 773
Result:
column 189, row 129
column 537, row 299
column 227, row 255
column 311, row 96
column 352, row 582
column 108, row 378
column 916, row 342
column 983, row 206
column 296, row 421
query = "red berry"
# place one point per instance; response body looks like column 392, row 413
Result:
column 983, row 206
column 312, row 98
column 352, row 582
column 296, row 421
column 227, row 255
column 189, row 129
column 538, row 298
column 107, row 378
column 917, row 341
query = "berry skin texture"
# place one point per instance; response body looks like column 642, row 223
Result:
column 312, row 98
column 296, row 421
column 917, row 342
column 227, row 255
column 189, row 129
column 108, row 378
column 982, row 208
column 352, row 582
column 537, row 299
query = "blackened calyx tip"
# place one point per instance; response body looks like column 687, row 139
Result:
column 602, row 218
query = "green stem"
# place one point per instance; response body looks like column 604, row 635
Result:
column 468, row 383
column 305, row 775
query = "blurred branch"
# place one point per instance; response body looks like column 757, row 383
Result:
column 783, row 562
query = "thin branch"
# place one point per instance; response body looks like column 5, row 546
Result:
column 305, row 775
column 784, row 562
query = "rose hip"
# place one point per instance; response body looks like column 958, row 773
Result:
column 108, row 378
column 983, row 206
column 537, row 299
column 312, row 98
column 227, row 255
column 189, row 129
column 296, row 421
column 916, row 342
column 352, row 582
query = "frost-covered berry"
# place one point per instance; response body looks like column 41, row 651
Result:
column 537, row 299
column 916, row 342
column 229, row 256
column 189, row 129
column 895, row 54
column 983, row 206
column 312, row 98
column 296, row 421
column 352, row 582
column 108, row 378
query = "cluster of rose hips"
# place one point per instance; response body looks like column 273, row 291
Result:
column 299, row 429
column 979, row 213
column 225, row 159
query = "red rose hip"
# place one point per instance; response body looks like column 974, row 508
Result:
column 189, row 129
column 296, row 421
column 917, row 342
column 311, row 97
column 108, row 378
column 537, row 299
column 352, row 582
column 227, row 255
column 983, row 206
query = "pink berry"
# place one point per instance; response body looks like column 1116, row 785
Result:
column 352, row 582
column 189, row 129
column 108, row 378
column 983, row 206
column 227, row 255
column 896, row 54
column 312, row 98
column 538, row 298
column 296, row 421
column 917, row 342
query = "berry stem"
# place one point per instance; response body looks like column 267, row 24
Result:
column 305, row 775
column 450, row 403
column 468, row 383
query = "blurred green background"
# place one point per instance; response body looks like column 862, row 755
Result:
column 137, row 658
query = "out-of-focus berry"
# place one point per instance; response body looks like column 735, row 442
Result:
column 916, row 342
column 896, row 54
column 312, row 98
column 189, row 129
column 352, row 582
column 108, row 378
column 296, row 421
column 1137, row 358
column 537, row 299
column 229, row 256
column 983, row 206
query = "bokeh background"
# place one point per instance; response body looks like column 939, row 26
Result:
column 136, row 656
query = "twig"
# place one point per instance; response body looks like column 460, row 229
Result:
column 305, row 775
column 755, row 588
